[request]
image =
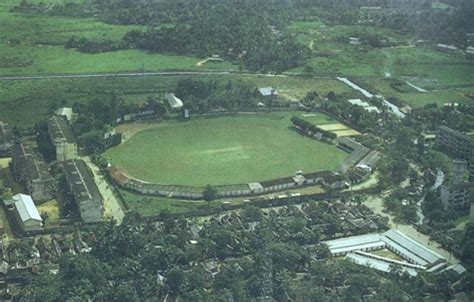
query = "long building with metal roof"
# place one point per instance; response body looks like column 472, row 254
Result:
column 84, row 190
column 25, row 212
column 417, row 256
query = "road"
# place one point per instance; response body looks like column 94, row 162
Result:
column 112, row 206
column 111, row 75
column 147, row 74
column 375, row 203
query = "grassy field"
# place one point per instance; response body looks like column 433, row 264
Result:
column 152, row 205
column 226, row 150
column 33, row 44
column 24, row 103
column 419, row 99
column 422, row 66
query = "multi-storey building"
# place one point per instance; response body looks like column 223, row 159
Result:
column 7, row 139
column 457, row 144
column 30, row 170
column 62, row 139
column 84, row 190
column 457, row 193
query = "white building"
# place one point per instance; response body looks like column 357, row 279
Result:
column 66, row 112
column 365, row 105
column 417, row 256
column 268, row 92
column 173, row 101
column 25, row 211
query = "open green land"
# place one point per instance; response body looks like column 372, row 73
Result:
column 152, row 205
column 33, row 44
column 24, row 103
column 225, row 150
column 447, row 76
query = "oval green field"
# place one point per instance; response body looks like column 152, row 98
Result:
column 224, row 150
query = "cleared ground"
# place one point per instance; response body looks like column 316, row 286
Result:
column 225, row 150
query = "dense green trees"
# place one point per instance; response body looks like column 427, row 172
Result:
column 242, row 33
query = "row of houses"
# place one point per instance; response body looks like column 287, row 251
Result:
column 327, row 179
column 29, row 169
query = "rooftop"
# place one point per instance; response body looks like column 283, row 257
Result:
column 372, row 159
column 267, row 91
column 174, row 101
column 80, row 179
column 37, row 169
column 26, row 208
column 59, row 129
column 6, row 134
column 66, row 112
column 406, row 247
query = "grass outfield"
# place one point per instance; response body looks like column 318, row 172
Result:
column 225, row 150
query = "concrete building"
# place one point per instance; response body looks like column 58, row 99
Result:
column 84, row 190
column 25, row 212
column 457, row 144
column 29, row 169
column 457, row 193
column 62, row 139
column 456, row 196
column 7, row 139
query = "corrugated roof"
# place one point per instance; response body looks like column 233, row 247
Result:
column 26, row 208
column 174, row 101
column 267, row 91
column 60, row 130
column 378, row 264
column 65, row 111
column 413, row 246
column 352, row 243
